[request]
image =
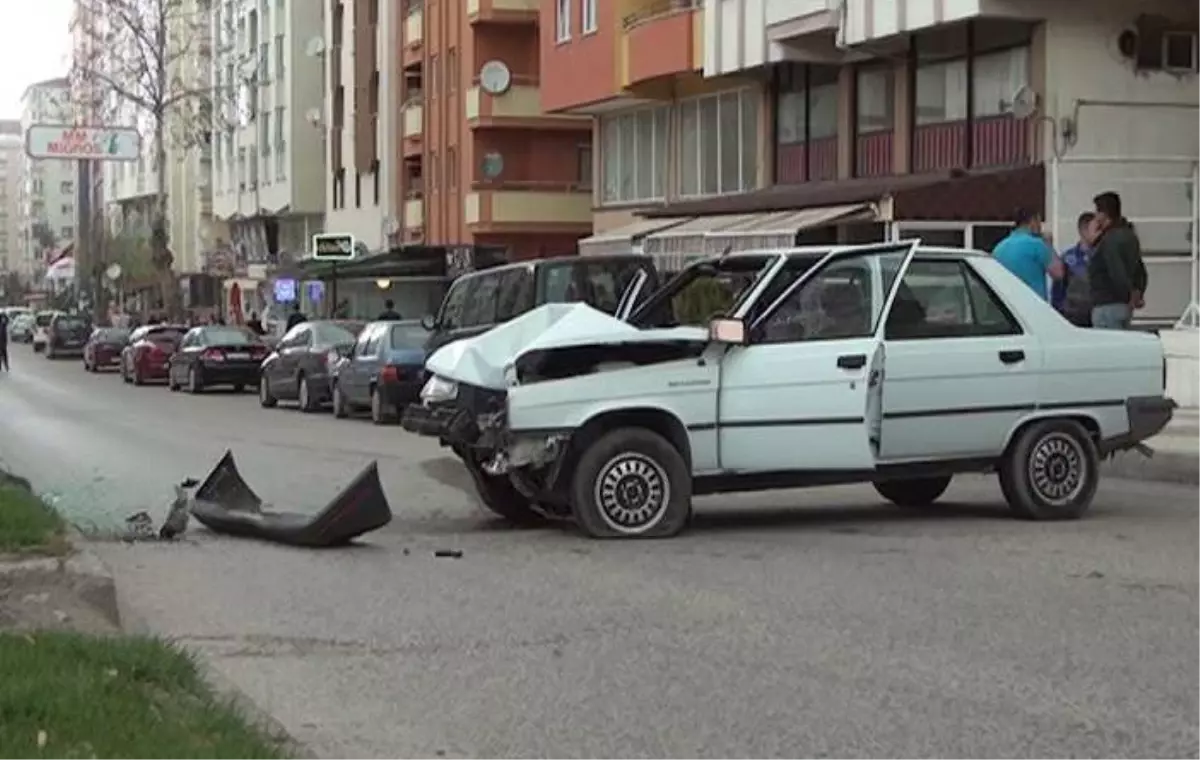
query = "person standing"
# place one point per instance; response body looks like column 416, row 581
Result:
column 4, row 341
column 1027, row 255
column 296, row 317
column 1116, row 273
column 389, row 311
column 1072, row 295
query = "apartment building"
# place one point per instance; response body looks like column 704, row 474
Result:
column 11, row 150
column 268, row 176
column 481, row 162
column 47, row 195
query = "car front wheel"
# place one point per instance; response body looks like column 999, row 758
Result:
column 913, row 492
column 500, row 497
column 631, row 483
column 195, row 383
column 266, row 399
column 1051, row 471
column 339, row 403
column 304, row 396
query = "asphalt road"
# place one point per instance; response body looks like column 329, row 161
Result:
column 799, row 623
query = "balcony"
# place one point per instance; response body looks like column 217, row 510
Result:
column 661, row 40
column 413, row 120
column 414, row 213
column 548, row 207
column 503, row 11
column 521, row 106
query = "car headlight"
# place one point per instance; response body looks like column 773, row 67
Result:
column 439, row 389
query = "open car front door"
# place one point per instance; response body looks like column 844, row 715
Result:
column 632, row 296
column 805, row 392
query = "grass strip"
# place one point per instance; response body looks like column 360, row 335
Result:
column 27, row 524
column 70, row 695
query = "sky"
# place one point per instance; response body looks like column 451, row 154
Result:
column 34, row 45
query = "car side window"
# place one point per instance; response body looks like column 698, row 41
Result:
column 364, row 341
column 516, row 293
column 838, row 302
column 451, row 317
column 375, row 341
column 946, row 299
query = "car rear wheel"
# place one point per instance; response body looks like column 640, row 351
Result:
column 1051, row 471
column 631, row 483
column 913, row 492
column 305, row 398
column 195, row 383
column 265, row 398
column 339, row 403
column 49, row 351
column 380, row 414
column 124, row 372
column 138, row 377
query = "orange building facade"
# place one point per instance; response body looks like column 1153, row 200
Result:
column 482, row 163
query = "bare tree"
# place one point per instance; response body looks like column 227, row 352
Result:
column 151, row 59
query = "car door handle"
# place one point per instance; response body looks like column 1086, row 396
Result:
column 852, row 361
column 1012, row 356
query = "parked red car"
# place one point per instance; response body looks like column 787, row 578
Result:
column 149, row 352
column 104, row 347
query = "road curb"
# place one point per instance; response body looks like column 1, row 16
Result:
column 222, row 686
column 1163, row 467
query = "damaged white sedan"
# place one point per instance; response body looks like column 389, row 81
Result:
column 894, row 364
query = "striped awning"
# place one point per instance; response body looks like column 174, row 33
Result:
column 624, row 239
column 778, row 229
column 676, row 247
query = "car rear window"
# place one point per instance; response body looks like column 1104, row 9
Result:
column 111, row 334
column 71, row 323
column 227, row 336
column 164, row 335
column 599, row 284
column 334, row 333
column 43, row 320
column 408, row 336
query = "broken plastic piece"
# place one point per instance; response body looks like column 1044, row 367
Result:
column 225, row 503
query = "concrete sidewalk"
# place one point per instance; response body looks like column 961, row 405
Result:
column 1176, row 454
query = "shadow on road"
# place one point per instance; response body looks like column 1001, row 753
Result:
column 842, row 519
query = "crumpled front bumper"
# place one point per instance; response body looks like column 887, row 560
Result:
column 1147, row 415
column 447, row 422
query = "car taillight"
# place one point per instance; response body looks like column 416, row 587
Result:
column 157, row 351
column 258, row 352
column 390, row 374
column 213, row 355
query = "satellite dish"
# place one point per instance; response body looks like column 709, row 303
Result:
column 495, row 78
column 313, row 115
column 315, row 47
column 113, row 272
column 492, row 165
column 1024, row 103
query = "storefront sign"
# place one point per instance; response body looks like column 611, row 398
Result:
column 285, row 290
column 333, row 247
column 61, row 141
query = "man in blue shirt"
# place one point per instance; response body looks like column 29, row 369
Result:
column 1026, row 253
column 1071, row 296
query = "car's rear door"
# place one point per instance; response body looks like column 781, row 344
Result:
column 961, row 370
column 804, row 393
column 363, row 364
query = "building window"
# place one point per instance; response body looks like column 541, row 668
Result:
column 68, row 208
column 562, row 20
column 997, row 77
column 280, row 143
column 588, row 23
column 585, row 166
column 633, row 147
column 874, row 121
column 68, row 233
column 807, row 123
column 718, row 146
column 67, row 188
column 280, row 59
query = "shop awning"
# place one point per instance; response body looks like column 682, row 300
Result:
column 677, row 246
column 778, row 229
column 623, row 239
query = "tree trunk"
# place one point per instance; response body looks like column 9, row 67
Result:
column 160, row 242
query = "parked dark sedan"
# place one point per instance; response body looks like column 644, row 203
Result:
column 104, row 348
column 216, row 355
column 383, row 372
column 298, row 369
column 66, row 335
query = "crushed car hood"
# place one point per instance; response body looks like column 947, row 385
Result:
column 483, row 359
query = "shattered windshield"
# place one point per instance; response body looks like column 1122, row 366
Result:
column 703, row 291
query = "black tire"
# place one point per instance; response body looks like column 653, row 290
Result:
column 49, row 352
column 304, row 397
column 380, row 414
column 913, row 492
column 338, row 402
column 137, row 376
column 266, row 399
column 124, row 373
column 238, row 388
column 653, row 469
column 500, row 497
column 195, row 382
column 1051, row 471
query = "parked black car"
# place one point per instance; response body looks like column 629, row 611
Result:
column 382, row 372
column 298, row 369
column 216, row 355
column 477, row 302
column 67, row 334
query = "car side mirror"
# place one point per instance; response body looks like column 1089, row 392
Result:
column 727, row 330
column 429, row 322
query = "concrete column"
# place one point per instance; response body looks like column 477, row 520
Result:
column 901, row 107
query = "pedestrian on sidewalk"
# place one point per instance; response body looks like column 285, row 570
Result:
column 4, row 342
column 389, row 312
column 1026, row 253
column 1116, row 272
column 1072, row 295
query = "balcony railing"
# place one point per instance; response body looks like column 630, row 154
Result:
column 658, row 8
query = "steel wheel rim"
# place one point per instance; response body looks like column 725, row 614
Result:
column 337, row 399
column 1058, row 468
column 303, row 393
column 631, row 493
column 263, row 393
column 376, row 406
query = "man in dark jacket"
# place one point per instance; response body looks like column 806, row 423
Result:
column 1116, row 273
column 389, row 311
column 296, row 317
column 4, row 341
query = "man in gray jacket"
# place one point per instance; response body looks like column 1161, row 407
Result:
column 1116, row 272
